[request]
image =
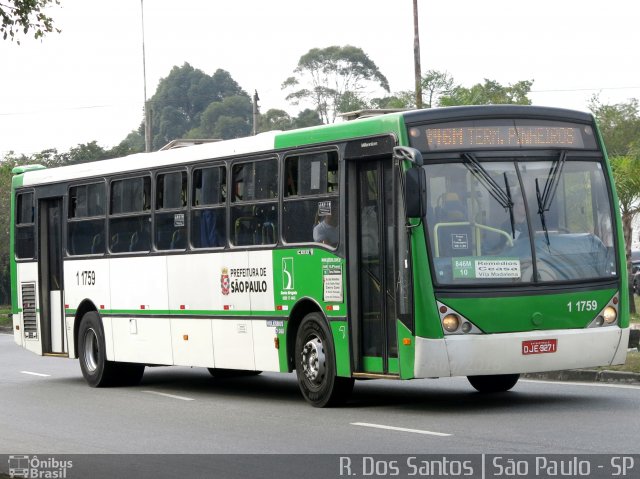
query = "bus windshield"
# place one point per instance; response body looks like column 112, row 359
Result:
column 505, row 221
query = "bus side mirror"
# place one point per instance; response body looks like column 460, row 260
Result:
column 415, row 191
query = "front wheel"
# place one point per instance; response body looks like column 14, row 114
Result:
column 498, row 383
column 316, row 366
column 97, row 371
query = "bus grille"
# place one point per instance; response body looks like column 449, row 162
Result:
column 29, row 310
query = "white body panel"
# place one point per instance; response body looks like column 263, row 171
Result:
column 472, row 355
column 233, row 344
column 139, row 283
column 192, row 342
column 28, row 273
column 79, row 287
column 142, row 340
column 266, row 355
column 136, row 296
column 55, row 322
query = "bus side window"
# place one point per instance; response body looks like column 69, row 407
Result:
column 208, row 213
column 170, row 218
column 85, row 225
column 25, row 227
column 130, row 215
column 254, row 214
column 311, row 206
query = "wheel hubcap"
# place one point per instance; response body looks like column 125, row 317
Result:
column 91, row 350
column 313, row 360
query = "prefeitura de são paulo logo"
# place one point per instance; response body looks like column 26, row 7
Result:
column 224, row 281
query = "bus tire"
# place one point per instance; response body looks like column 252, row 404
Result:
column 497, row 383
column 316, row 366
column 97, row 371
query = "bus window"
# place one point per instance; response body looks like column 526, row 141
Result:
column 25, row 228
column 130, row 233
column 170, row 218
column 255, row 223
column 311, row 207
column 85, row 234
column 209, row 214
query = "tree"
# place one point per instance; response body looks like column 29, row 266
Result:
column 183, row 96
column 25, row 15
column 620, row 128
column 435, row 84
column 488, row 93
column 275, row 119
column 332, row 79
column 226, row 119
column 619, row 124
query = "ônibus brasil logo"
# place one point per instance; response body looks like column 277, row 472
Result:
column 224, row 281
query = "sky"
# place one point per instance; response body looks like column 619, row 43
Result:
column 86, row 83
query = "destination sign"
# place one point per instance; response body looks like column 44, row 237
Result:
column 499, row 134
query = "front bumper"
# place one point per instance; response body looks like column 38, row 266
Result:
column 483, row 354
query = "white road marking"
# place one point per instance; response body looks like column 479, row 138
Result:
column 401, row 429
column 598, row 385
column 36, row 374
column 173, row 396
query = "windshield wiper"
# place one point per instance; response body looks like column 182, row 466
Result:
column 551, row 185
column 483, row 176
column 494, row 189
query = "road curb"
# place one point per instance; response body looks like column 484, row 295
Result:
column 587, row 375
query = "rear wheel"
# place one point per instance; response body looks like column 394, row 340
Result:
column 315, row 364
column 97, row 371
column 494, row 384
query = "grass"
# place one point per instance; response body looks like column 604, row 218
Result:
column 631, row 366
column 635, row 318
column 4, row 315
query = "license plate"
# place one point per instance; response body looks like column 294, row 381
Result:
column 539, row 346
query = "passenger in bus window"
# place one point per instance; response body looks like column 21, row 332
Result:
column 212, row 229
column 327, row 230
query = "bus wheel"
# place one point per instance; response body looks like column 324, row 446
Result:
column 315, row 364
column 97, row 371
column 498, row 383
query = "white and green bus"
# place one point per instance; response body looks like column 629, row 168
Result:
column 475, row 241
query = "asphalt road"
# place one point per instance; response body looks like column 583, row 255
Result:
column 47, row 407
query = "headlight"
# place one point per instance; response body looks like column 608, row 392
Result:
column 610, row 315
column 451, row 322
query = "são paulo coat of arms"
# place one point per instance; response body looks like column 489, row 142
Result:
column 224, row 281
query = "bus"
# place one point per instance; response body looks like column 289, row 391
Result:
column 480, row 241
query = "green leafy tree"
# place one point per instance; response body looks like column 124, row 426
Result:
column 332, row 79
column 307, row 118
column 24, row 16
column 620, row 128
column 488, row 93
column 226, row 119
column 275, row 119
column 182, row 97
column 5, row 211
column 435, row 84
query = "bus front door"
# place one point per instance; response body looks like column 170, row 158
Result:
column 371, row 253
column 50, row 275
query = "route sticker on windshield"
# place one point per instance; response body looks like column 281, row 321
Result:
column 482, row 268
